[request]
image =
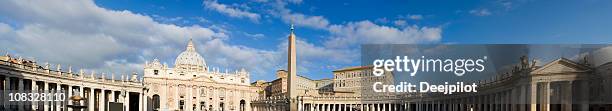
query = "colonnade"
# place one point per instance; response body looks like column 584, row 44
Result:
column 22, row 76
column 97, row 99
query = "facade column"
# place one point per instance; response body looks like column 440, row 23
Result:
column 188, row 104
column 102, row 100
column 127, row 101
column 112, row 96
column 91, row 101
column 324, row 107
column 145, row 103
column 58, row 88
column 142, row 105
column 569, row 95
column 34, row 89
column 81, row 93
column 68, row 97
column 361, row 107
column 533, row 95
column 46, row 88
column 384, row 106
column 20, row 88
column 548, row 94
column 7, row 87
column 311, row 107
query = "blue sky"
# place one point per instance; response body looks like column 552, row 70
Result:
column 120, row 35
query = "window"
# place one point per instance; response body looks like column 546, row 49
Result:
column 156, row 102
column 155, row 72
column 181, row 104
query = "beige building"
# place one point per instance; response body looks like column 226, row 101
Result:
column 305, row 86
column 358, row 80
column 192, row 86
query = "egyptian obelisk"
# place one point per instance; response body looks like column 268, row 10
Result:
column 292, row 76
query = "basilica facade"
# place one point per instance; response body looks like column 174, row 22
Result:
column 191, row 85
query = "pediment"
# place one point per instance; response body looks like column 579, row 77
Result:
column 561, row 65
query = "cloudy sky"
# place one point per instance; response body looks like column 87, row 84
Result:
column 115, row 36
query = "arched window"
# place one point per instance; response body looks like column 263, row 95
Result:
column 242, row 105
column 221, row 106
column 156, row 102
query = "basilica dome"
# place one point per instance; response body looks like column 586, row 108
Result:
column 190, row 57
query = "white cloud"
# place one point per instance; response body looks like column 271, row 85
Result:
column 480, row 12
column 231, row 11
column 416, row 17
column 299, row 19
column 312, row 52
column 366, row 32
column 341, row 46
column 383, row 20
column 254, row 36
column 83, row 35
column 361, row 32
column 256, row 61
column 400, row 23
column 411, row 17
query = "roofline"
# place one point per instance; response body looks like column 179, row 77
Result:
column 353, row 68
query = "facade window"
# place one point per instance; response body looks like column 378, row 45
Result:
column 155, row 72
column 181, row 104
column 156, row 102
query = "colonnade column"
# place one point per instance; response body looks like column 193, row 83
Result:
column 568, row 89
column 46, row 103
column 91, row 99
column 81, row 93
column 20, row 88
column 58, row 89
column 127, row 101
column 533, row 95
column 141, row 97
column 548, row 93
column 112, row 96
column 34, row 89
column 7, row 86
column 102, row 100
column 145, row 102
column 68, row 96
